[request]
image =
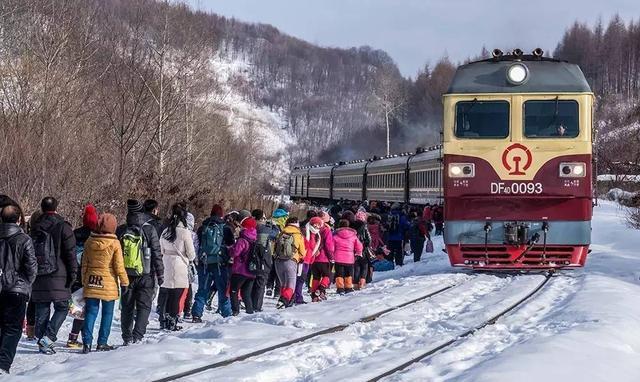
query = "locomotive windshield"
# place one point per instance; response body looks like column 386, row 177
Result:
column 482, row 119
column 551, row 119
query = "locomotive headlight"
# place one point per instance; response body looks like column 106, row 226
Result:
column 462, row 170
column 517, row 74
column 572, row 170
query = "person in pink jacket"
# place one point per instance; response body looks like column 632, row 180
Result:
column 312, row 242
column 347, row 247
column 373, row 224
column 321, row 266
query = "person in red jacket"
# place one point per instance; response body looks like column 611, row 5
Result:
column 347, row 247
column 321, row 267
column 426, row 213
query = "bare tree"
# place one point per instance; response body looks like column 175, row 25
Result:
column 389, row 98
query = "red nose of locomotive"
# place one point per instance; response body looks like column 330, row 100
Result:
column 541, row 222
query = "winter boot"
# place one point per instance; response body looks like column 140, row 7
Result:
column 340, row 285
column 362, row 283
column 169, row 322
column 323, row 295
column 45, row 346
column 105, row 347
column 196, row 320
column 86, row 349
column 31, row 333
column 348, row 284
column 269, row 292
column 73, row 343
column 187, row 316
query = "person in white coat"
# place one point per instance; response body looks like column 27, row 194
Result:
column 177, row 247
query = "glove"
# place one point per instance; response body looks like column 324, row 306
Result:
column 123, row 289
column 160, row 280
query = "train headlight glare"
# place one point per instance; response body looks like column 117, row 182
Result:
column 517, row 74
column 572, row 170
column 462, row 170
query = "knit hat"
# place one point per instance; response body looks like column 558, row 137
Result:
column 361, row 216
column 90, row 217
column 217, row 210
column 316, row 221
column 325, row 217
column 280, row 213
column 244, row 214
column 107, row 224
column 191, row 221
column 134, row 206
column 249, row 223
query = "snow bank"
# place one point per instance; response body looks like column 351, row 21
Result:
column 618, row 195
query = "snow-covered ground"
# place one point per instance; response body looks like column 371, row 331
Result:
column 584, row 326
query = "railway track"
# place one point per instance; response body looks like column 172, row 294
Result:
column 465, row 334
column 333, row 329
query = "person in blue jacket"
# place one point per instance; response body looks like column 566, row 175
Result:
column 397, row 227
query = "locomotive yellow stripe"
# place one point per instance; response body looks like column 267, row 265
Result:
column 541, row 149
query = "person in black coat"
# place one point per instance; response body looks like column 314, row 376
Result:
column 267, row 234
column 53, row 288
column 150, row 207
column 18, row 261
column 138, row 298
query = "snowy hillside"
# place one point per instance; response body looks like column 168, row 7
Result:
column 263, row 128
column 583, row 326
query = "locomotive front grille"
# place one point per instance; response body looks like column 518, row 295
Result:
column 502, row 255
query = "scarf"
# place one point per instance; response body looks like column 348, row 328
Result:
column 316, row 231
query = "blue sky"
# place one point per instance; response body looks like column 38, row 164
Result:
column 415, row 32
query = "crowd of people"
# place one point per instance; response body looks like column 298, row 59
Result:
column 238, row 258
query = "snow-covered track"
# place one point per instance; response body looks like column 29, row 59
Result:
column 333, row 329
column 464, row 334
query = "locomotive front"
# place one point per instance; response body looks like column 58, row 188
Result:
column 517, row 145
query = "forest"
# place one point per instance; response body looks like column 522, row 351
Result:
column 609, row 56
column 101, row 100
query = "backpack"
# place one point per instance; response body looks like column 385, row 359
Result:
column 45, row 250
column 136, row 254
column 284, row 247
column 257, row 256
column 212, row 241
column 394, row 223
column 7, row 276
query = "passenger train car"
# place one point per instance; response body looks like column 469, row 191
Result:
column 514, row 169
column 405, row 178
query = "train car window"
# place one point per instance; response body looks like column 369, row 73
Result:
column 482, row 119
column 551, row 119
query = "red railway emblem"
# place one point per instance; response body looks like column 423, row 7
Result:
column 518, row 152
